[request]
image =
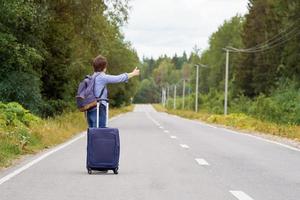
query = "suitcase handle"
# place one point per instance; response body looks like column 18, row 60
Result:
column 107, row 113
column 98, row 100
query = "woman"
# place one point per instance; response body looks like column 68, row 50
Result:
column 100, row 66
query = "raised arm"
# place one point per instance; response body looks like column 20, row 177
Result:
column 115, row 78
column 135, row 72
column 122, row 77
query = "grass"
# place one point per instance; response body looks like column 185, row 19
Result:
column 239, row 121
column 116, row 111
column 18, row 140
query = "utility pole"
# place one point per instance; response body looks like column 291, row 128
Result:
column 162, row 96
column 174, row 106
column 183, row 94
column 190, row 107
column 197, row 82
column 226, row 82
column 168, row 93
column 165, row 96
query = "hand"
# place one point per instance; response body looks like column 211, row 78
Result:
column 136, row 72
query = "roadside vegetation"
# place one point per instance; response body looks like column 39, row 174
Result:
column 263, row 84
column 46, row 49
column 22, row 133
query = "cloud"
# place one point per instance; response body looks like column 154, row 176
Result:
column 158, row 27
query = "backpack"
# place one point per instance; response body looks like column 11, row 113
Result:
column 86, row 98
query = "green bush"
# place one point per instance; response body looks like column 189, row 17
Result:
column 213, row 102
column 13, row 114
column 53, row 108
column 189, row 102
column 282, row 106
column 15, row 134
column 240, row 104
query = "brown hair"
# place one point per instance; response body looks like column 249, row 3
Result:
column 99, row 63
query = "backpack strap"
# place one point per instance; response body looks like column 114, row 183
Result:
column 102, row 91
column 95, row 83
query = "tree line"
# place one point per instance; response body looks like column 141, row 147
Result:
column 264, row 72
column 46, row 48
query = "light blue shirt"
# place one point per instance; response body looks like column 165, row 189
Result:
column 103, row 79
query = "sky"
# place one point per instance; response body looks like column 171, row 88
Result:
column 158, row 27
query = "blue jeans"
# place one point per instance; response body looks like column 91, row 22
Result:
column 92, row 117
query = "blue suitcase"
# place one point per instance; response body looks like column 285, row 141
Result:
column 103, row 148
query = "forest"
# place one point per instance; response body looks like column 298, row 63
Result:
column 264, row 67
column 46, row 49
column 47, row 46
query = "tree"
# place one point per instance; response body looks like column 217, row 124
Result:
column 19, row 58
column 49, row 46
column 261, row 24
column 290, row 15
column 148, row 92
column 228, row 34
column 186, row 71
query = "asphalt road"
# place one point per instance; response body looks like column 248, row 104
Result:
column 162, row 157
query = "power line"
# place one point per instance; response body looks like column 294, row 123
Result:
column 263, row 49
column 275, row 38
column 273, row 42
column 268, row 45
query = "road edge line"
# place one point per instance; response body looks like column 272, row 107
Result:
column 239, row 133
column 46, row 154
column 38, row 159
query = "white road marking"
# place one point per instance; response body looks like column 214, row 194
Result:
column 166, row 131
column 238, row 133
column 201, row 161
column 161, row 127
column 45, row 155
column 211, row 126
column 262, row 139
column 173, row 137
column 21, row 169
column 241, row 195
column 184, row 146
column 153, row 120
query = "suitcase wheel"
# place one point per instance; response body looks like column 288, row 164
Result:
column 89, row 171
column 116, row 170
